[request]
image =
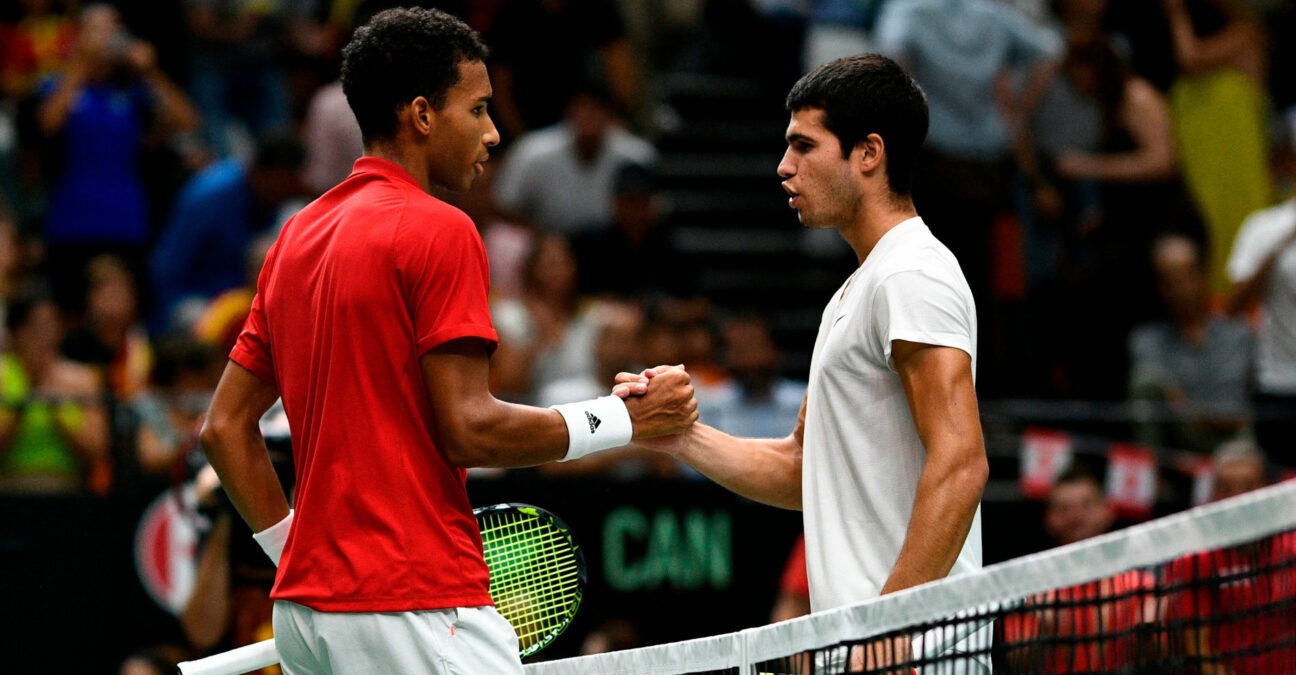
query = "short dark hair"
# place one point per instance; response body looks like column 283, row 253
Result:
column 399, row 55
column 869, row 94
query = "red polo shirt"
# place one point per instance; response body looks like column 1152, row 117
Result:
column 359, row 285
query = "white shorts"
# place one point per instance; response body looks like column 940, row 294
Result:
column 460, row 641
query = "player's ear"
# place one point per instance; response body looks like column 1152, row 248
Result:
column 868, row 153
column 422, row 115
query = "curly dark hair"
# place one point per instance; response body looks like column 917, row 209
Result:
column 399, row 55
column 869, row 94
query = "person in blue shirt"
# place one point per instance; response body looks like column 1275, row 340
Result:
column 201, row 251
column 97, row 114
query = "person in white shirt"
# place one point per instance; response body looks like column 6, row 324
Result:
column 887, row 459
column 1262, row 269
column 561, row 177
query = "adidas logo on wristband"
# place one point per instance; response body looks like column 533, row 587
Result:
column 598, row 424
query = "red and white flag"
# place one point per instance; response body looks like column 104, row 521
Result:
column 1131, row 480
column 1045, row 454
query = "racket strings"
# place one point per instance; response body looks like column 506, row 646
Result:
column 535, row 574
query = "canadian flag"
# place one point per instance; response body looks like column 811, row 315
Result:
column 1045, row 454
column 166, row 549
column 1131, row 480
column 1202, row 471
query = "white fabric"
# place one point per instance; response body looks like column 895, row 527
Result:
column 542, row 177
column 455, row 641
column 862, row 456
column 1259, row 236
column 273, row 538
column 598, row 424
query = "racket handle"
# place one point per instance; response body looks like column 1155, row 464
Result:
column 241, row 660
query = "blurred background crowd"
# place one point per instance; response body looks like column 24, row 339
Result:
column 1117, row 180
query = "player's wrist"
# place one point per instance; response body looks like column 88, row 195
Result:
column 597, row 424
column 273, row 538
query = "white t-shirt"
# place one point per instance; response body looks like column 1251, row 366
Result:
column 1259, row 235
column 862, row 456
column 542, row 177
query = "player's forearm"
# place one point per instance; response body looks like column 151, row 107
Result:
column 767, row 470
column 503, row 435
column 949, row 493
column 238, row 453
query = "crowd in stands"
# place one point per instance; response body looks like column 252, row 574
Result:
column 1117, row 180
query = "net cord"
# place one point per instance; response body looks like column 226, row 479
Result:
column 1234, row 521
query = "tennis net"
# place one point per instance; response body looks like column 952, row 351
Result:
column 1210, row 590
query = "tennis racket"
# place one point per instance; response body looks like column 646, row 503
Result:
column 537, row 581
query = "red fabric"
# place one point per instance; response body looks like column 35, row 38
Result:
column 1238, row 593
column 361, row 283
column 794, row 579
column 1091, row 635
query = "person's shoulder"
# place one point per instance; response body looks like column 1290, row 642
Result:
column 536, row 144
column 1278, row 215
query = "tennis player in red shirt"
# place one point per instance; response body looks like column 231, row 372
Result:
column 371, row 322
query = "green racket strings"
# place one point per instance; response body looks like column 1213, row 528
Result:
column 535, row 574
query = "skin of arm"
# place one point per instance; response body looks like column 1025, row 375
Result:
column 54, row 111
column 1239, row 44
column 231, row 436
column 206, row 614
column 88, row 435
column 1146, row 116
column 767, row 470
column 938, row 384
column 475, row 429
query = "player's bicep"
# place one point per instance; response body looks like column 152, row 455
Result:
column 942, row 397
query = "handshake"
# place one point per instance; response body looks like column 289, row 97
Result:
column 660, row 401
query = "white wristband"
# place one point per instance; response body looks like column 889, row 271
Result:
column 594, row 425
column 273, row 538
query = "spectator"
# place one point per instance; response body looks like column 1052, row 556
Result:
column 762, row 402
column 236, row 76
column 544, row 49
column 1077, row 509
column 34, row 46
column 1231, row 612
column 507, row 239
column 616, row 350
column 1100, row 626
column 1098, row 154
column 53, row 425
column 201, row 251
column 221, row 320
column 333, row 141
column 1262, row 267
column 167, row 413
column 111, row 338
column 1238, row 467
column 838, row 28
column 1220, row 109
column 636, row 232
column 549, row 332
column 101, row 108
column 963, row 184
column 562, row 177
column 1195, row 362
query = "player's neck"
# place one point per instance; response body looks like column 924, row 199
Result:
column 406, row 156
column 874, row 221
